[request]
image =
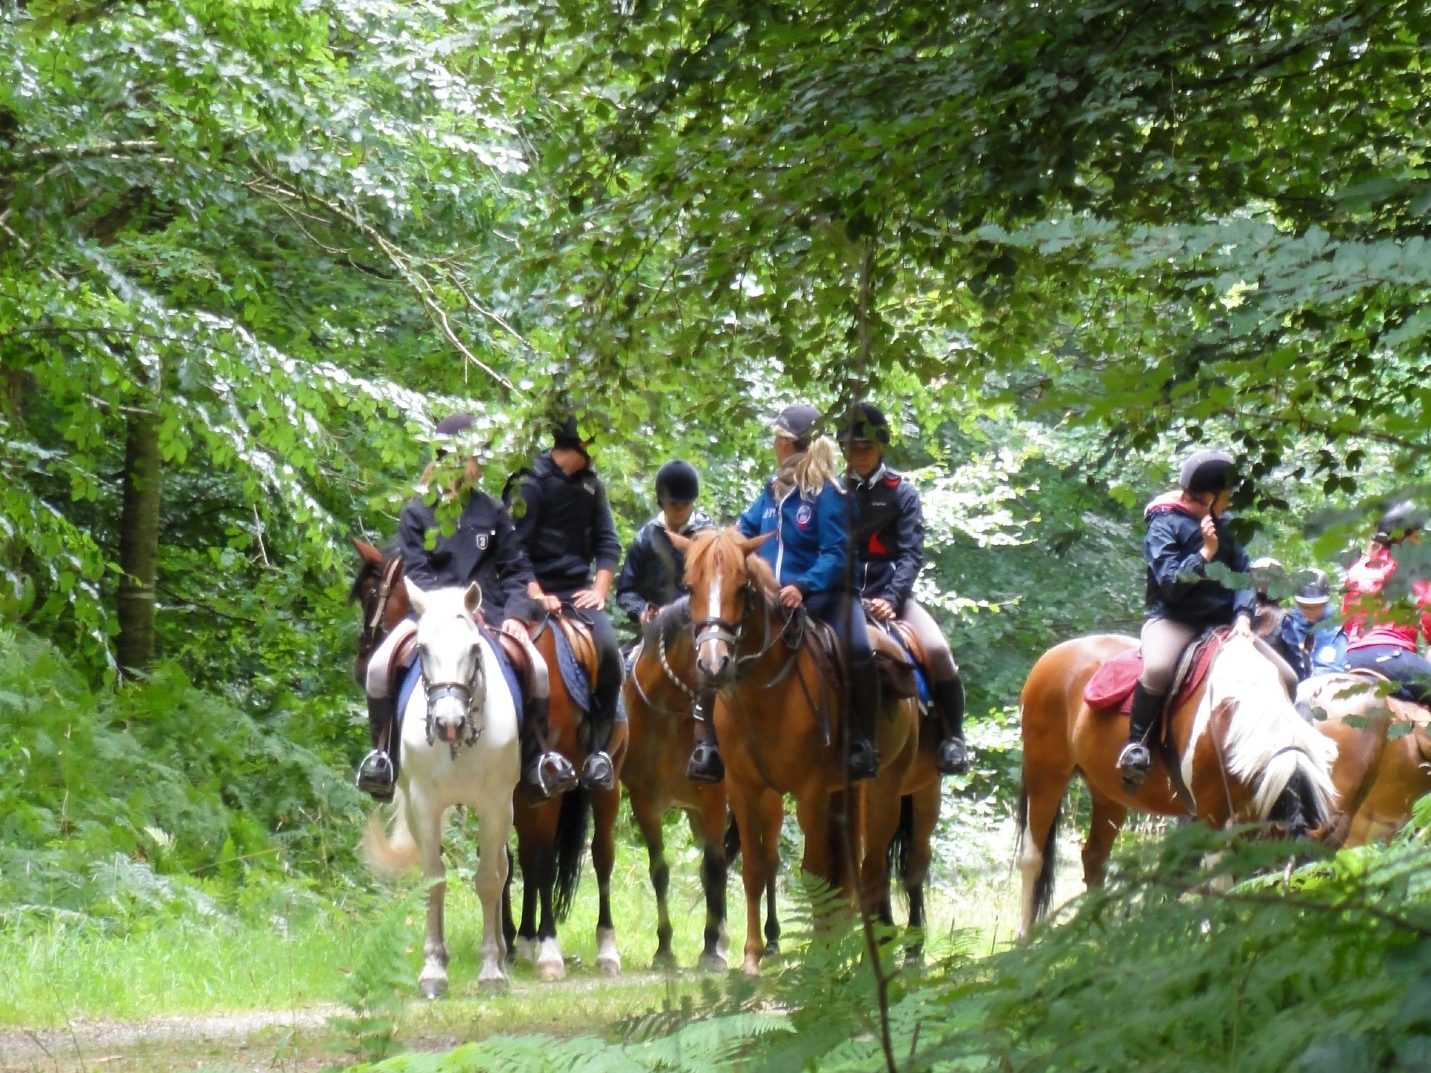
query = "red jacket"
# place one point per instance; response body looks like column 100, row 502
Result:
column 1367, row 622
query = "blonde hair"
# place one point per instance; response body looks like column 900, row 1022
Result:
column 820, row 464
column 467, row 477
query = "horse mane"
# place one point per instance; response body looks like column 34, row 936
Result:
column 1264, row 726
column 720, row 549
column 368, row 572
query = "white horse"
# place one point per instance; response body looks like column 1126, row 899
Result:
column 459, row 747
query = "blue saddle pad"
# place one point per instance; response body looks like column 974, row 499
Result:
column 413, row 675
column 571, row 671
column 921, row 680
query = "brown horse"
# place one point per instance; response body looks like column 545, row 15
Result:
column 1379, row 772
column 1245, row 755
column 658, row 693
column 551, row 834
column 911, row 847
column 778, row 718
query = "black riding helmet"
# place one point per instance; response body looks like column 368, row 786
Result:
column 677, row 482
column 1208, row 470
column 866, row 423
column 1399, row 522
column 454, row 428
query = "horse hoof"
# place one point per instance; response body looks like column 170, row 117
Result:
column 713, row 963
column 526, row 950
column 548, row 971
column 494, row 984
column 772, row 950
column 664, row 961
column 432, row 989
column 608, row 966
column 750, row 969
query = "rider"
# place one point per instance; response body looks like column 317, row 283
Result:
column 566, row 528
column 889, row 547
column 803, row 505
column 1185, row 534
column 651, row 576
column 483, row 547
column 1376, row 640
column 1309, row 637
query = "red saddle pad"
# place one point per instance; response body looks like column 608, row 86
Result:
column 1112, row 684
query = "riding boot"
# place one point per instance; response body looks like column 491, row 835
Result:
column 705, row 764
column 376, row 773
column 598, row 773
column 544, row 770
column 1136, row 758
column 949, row 703
column 862, row 759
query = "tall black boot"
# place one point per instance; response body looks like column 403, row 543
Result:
column 377, row 773
column 949, row 703
column 705, row 764
column 862, row 755
column 544, row 770
column 1136, row 758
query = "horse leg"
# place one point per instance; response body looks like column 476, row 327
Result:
column 1040, row 804
column 825, row 821
column 545, row 950
column 1107, row 821
column 490, row 883
column 772, row 920
column 759, row 821
column 424, row 819
column 708, row 827
column 648, row 821
column 925, row 817
column 603, row 859
column 509, row 925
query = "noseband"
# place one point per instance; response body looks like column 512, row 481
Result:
column 714, row 628
column 467, row 692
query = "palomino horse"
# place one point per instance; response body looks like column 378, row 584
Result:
column 550, row 835
column 1379, row 773
column 459, row 747
column 659, row 693
column 777, row 718
column 1245, row 756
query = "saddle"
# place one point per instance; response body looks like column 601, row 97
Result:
column 576, row 654
column 1111, row 686
column 1419, row 715
column 896, row 670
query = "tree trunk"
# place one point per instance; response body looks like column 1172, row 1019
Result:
column 139, row 539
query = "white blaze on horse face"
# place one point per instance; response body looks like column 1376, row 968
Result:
column 710, row 656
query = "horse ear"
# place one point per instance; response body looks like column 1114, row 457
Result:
column 749, row 544
column 366, row 551
column 681, row 543
column 415, row 596
column 472, row 598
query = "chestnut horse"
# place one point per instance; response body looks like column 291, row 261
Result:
column 1245, row 756
column 1383, row 753
column 659, row 692
column 550, row 834
column 778, row 718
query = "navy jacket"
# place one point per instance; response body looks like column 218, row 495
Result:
column 888, row 535
column 1178, row 587
column 483, row 548
column 566, row 527
column 654, row 569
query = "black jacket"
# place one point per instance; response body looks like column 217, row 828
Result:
column 1178, row 587
column 653, row 569
column 566, row 526
column 483, row 548
column 888, row 534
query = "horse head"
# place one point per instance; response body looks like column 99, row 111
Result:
column 728, row 582
column 449, row 644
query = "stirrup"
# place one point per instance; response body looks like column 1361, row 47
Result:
column 953, row 756
column 375, row 776
column 598, row 773
column 863, row 760
column 706, row 765
column 550, row 773
column 1133, row 764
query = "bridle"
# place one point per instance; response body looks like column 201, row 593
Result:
column 714, row 628
column 467, row 692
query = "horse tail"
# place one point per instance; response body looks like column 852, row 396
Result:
column 732, row 840
column 390, row 854
column 897, row 855
column 1043, row 882
column 570, row 848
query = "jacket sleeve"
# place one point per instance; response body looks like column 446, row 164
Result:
column 827, row 572
column 911, row 546
column 417, row 558
column 509, row 560
column 749, row 521
column 528, row 521
column 604, row 541
column 628, row 581
column 1168, row 564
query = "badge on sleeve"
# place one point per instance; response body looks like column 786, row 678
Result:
column 481, row 541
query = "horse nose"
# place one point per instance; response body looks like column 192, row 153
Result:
column 713, row 665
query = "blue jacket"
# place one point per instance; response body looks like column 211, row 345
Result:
column 1315, row 647
column 1177, row 587
column 809, row 550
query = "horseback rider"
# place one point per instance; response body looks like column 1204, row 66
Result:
column 1186, row 533
column 567, row 531
column 803, row 506
column 1377, row 641
column 483, row 547
column 651, row 575
column 1310, row 638
column 888, row 536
